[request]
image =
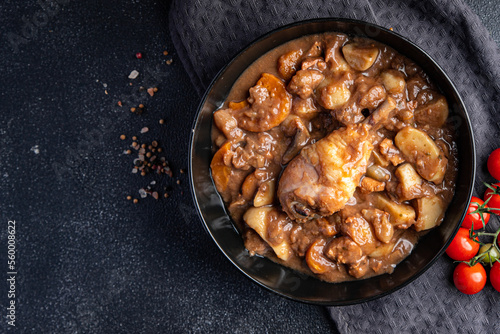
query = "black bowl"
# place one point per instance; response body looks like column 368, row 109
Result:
column 282, row 280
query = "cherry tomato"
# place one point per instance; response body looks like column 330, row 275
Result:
column 495, row 198
column 475, row 218
column 495, row 276
column 494, row 164
column 462, row 248
column 469, row 280
column 490, row 254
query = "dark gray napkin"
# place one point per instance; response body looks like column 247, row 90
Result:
column 207, row 33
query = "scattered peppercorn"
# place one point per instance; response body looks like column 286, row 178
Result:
column 134, row 138
column 132, row 109
column 123, row 137
column 165, row 53
column 178, row 182
column 128, row 151
column 155, row 89
column 161, row 121
column 136, row 201
column 129, row 198
column 141, row 106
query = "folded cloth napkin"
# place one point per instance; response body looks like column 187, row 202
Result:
column 207, row 33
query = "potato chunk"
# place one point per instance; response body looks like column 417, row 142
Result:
column 419, row 149
column 334, row 95
column 360, row 57
column 265, row 194
column 401, row 215
column 430, row 213
column 410, row 185
column 258, row 219
column 393, row 81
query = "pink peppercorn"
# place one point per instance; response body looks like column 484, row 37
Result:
column 138, row 55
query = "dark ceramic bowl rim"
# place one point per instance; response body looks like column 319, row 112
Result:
column 458, row 101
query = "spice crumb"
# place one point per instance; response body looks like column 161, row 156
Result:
column 136, row 201
column 155, row 195
column 123, row 137
column 151, row 91
column 165, row 195
column 132, row 109
column 169, row 61
column 119, row 103
column 129, row 198
column 134, row 138
column 141, row 106
column 161, row 121
column 178, row 182
column 134, row 74
column 165, row 53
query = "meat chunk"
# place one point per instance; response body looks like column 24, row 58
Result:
column 288, row 63
column 333, row 54
column 359, row 230
column 369, row 185
column 344, row 250
column 313, row 63
column 373, row 97
column 305, row 82
column 391, row 152
column 359, row 269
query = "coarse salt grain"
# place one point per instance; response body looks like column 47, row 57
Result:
column 134, row 74
column 142, row 193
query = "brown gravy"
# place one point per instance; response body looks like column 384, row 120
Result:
column 333, row 156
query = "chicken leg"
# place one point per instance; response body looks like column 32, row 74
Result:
column 321, row 179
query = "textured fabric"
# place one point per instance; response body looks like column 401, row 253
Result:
column 207, row 33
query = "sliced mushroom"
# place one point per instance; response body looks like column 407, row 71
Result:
column 360, row 57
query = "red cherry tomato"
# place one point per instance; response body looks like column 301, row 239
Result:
column 495, row 276
column 475, row 218
column 462, row 248
column 494, row 164
column 469, row 280
column 495, row 198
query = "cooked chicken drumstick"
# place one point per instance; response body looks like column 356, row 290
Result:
column 321, row 179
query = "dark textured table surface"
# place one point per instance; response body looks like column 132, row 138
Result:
column 87, row 259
